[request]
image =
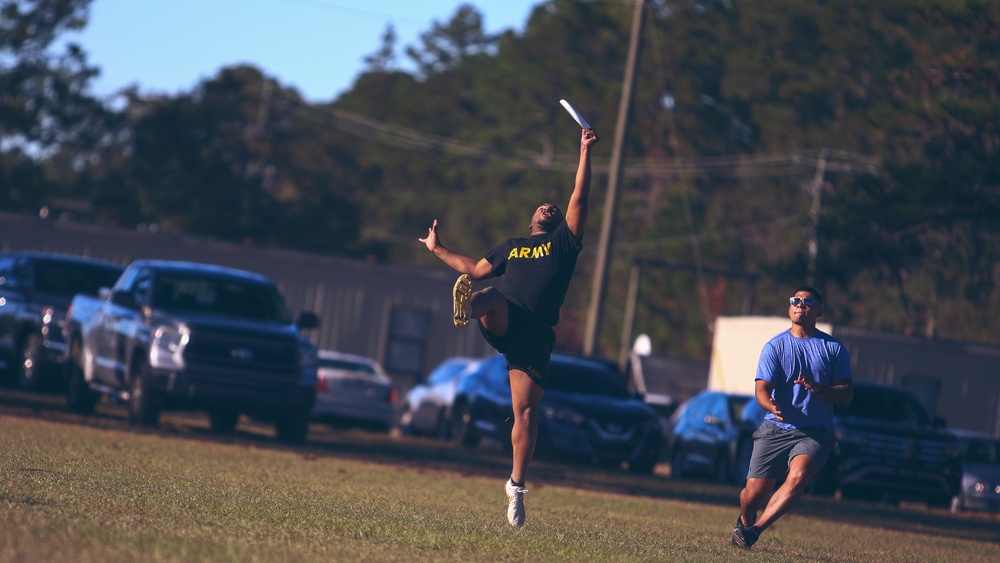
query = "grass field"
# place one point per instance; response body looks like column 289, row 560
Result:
column 94, row 490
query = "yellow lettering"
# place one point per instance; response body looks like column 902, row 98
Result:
column 529, row 252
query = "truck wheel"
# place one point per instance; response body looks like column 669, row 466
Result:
column 461, row 427
column 79, row 398
column 142, row 407
column 29, row 368
column 677, row 463
column 292, row 429
column 223, row 421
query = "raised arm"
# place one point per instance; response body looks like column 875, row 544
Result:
column 576, row 211
column 480, row 270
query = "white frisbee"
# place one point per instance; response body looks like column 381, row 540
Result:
column 575, row 115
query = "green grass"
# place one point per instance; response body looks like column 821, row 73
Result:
column 70, row 492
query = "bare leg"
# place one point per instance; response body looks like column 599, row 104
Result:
column 491, row 309
column 753, row 497
column 801, row 471
column 526, row 395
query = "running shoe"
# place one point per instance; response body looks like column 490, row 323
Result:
column 744, row 536
column 462, row 293
column 515, row 508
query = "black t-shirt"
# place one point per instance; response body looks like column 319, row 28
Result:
column 534, row 272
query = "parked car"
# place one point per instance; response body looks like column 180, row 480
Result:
column 182, row 335
column 586, row 413
column 426, row 408
column 353, row 390
column 35, row 290
column 701, row 435
column 888, row 448
column 980, row 489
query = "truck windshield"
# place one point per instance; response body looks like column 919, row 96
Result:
column 70, row 278
column 887, row 405
column 234, row 298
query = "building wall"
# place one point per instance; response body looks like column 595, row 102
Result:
column 399, row 315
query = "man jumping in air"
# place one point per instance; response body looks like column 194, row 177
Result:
column 517, row 315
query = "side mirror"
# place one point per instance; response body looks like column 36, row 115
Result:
column 307, row 321
column 103, row 293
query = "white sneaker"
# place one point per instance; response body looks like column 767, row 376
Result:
column 515, row 510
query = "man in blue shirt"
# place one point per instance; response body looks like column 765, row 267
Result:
column 802, row 373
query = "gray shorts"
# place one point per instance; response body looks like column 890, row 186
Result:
column 774, row 448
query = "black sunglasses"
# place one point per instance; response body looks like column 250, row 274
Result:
column 807, row 301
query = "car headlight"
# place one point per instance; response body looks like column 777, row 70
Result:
column 564, row 414
column 167, row 350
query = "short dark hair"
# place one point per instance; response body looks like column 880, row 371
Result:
column 816, row 294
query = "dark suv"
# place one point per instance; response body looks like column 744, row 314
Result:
column 35, row 290
column 888, row 448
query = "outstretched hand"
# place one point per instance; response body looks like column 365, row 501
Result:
column 432, row 237
column 812, row 386
column 588, row 137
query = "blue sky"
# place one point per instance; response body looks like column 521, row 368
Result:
column 315, row 46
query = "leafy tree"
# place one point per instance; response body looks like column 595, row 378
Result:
column 446, row 45
column 44, row 106
column 384, row 59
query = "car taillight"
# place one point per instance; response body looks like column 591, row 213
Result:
column 392, row 396
column 322, row 386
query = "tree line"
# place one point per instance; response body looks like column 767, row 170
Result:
column 847, row 143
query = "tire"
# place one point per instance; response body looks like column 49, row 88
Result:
column 677, row 463
column 292, row 429
column 403, row 422
column 461, row 426
column 645, row 466
column 223, row 421
column 442, row 430
column 723, row 467
column 743, row 453
column 143, row 409
column 941, row 501
column 79, row 398
column 30, row 374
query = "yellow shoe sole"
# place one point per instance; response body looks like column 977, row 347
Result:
column 462, row 294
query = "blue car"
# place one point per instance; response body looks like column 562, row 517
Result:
column 586, row 413
column 701, row 436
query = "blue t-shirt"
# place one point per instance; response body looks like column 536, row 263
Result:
column 820, row 357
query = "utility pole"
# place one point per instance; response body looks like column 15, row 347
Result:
column 594, row 311
column 816, row 191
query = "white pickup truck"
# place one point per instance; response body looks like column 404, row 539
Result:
column 180, row 335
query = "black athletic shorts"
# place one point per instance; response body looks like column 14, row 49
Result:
column 527, row 344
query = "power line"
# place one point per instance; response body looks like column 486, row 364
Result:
column 791, row 163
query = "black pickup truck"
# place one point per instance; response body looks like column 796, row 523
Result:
column 888, row 449
column 35, row 290
column 181, row 335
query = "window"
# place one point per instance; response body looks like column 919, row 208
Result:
column 925, row 388
column 407, row 341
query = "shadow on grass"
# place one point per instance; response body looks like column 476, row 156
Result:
column 493, row 461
